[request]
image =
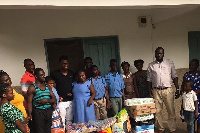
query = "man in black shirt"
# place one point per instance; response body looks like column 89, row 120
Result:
column 63, row 78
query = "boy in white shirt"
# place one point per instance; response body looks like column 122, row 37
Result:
column 189, row 106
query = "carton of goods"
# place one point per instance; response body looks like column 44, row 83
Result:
column 144, row 117
column 138, row 101
column 144, row 129
column 143, row 109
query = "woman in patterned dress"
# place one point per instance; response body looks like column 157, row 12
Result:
column 140, row 80
column 194, row 75
column 12, row 117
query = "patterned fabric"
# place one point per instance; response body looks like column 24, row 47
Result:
column 196, row 79
column 10, row 114
column 56, row 121
column 41, row 94
column 142, row 86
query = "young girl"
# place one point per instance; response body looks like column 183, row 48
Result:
column 12, row 117
column 17, row 101
column 84, row 93
column 189, row 105
column 56, row 118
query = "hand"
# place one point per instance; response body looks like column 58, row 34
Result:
column 108, row 105
column 196, row 114
column 29, row 118
column 69, row 94
column 26, row 120
column 42, row 102
column 197, row 92
column 177, row 94
column 89, row 102
column 60, row 99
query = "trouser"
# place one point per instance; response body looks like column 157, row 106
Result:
column 66, row 112
column 42, row 120
column 116, row 105
column 165, row 96
column 100, row 108
column 189, row 119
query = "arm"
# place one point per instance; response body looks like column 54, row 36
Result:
column 107, row 98
column 196, row 109
column 45, row 101
column 149, row 80
column 135, row 85
column 181, row 107
column 93, row 94
column 30, row 93
column 177, row 94
column 182, row 85
column 20, row 126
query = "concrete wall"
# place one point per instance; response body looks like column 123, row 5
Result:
column 22, row 33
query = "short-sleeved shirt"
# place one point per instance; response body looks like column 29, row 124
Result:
column 161, row 74
column 188, row 100
column 10, row 114
column 26, row 80
column 115, row 84
column 63, row 83
column 56, row 95
column 99, row 86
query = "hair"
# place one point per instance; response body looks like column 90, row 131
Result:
column 26, row 60
column 88, row 58
column 138, row 61
column 123, row 63
column 63, row 57
column 158, row 48
column 191, row 83
column 3, row 89
column 93, row 66
column 113, row 61
column 2, row 73
column 79, row 71
column 196, row 61
column 37, row 70
column 48, row 78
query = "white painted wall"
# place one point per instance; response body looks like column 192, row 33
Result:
column 22, row 33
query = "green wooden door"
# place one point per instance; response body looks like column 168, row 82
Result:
column 194, row 44
column 101, row 50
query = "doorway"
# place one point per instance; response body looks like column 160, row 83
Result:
column 100, row 49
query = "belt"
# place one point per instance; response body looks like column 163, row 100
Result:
column 161, row 88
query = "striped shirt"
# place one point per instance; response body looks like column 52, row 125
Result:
column 41, row 94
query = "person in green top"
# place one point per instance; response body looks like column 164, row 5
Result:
column 12, row 117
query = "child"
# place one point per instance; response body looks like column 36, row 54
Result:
column 12, row 117
column 189, row 105
column 88, row 63
column 101, row 92
column 40, row 99
column 56, row 119
column 116, row 86
column 84, row 93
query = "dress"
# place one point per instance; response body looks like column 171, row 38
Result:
column 196, row 79
column 10, row 114
column 82, row 112
column 17, row 102
column 129, row 91
column 142, row 85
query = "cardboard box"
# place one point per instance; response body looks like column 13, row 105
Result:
column 144, row 129
column 141, row 109
column 138, row 101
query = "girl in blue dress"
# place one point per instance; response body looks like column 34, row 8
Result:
column 194, row 75
column 84, row 93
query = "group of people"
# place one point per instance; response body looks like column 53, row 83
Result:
column 52, row 102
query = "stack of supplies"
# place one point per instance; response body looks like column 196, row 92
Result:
column 80, row 128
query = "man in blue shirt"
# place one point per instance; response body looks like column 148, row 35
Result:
column 101, row 100
column 116, row 86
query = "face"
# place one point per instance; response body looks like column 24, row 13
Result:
column 88, row 63
column 64, row 64
column 50, row 83
column 81, row 77
column 95, row 71
column 30, row 66
column 159, row 55
column 125, row 68
column 113, row 66
column 9, row 94
column 187, row 87
column 6, row 79
column 193, row 66
column 40, row 76
column 139, row 66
